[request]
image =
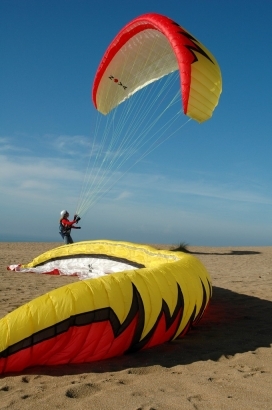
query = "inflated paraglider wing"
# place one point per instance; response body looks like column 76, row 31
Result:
column 148, row 48
column 100, row 318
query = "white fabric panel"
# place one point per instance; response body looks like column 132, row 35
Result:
column 145, row 58
column 84, row 268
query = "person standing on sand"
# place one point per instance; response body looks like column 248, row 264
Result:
column 65, row 226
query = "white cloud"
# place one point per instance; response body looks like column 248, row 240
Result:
column 37, row 168
column 70, row 145
column 54, row 175
column 235, row 192
column 123, row 195
column 8, row 145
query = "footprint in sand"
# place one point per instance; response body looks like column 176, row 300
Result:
column 5, row 388
column 81, row 391
column 196, row 401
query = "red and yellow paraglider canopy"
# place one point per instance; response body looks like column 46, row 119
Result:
column 147, row 49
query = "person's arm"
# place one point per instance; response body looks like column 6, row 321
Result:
column 66, row 222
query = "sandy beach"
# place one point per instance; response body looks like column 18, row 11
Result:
column 224, row 363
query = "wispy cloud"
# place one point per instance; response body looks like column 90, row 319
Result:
column 61, row 159
column 159, row 205
column 123, row 195
column 236, row 192
column 48, row 174
column 37, row 179
column 8, row 145
column 70, row 144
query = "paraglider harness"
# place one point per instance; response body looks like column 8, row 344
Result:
column 66, row 230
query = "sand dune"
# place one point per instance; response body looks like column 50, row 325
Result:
column 224, row 363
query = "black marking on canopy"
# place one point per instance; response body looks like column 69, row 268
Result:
column 195, row 47
column 136, row 313
column 93, row 255
column 203, row 304
column 84, row 319
column 138, row 344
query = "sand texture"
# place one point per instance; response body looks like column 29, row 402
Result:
column 224, row 363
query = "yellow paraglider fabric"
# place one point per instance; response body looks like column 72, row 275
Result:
column 107, row 316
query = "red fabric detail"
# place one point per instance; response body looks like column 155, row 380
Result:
column 161, row 334
column 54, row 272
column 13, row 267
column 79, row 344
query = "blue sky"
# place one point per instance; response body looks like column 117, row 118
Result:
column 209, row 187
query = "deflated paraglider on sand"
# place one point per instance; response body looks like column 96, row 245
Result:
column 155, row 297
